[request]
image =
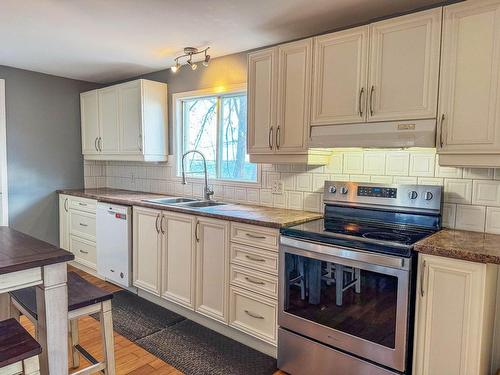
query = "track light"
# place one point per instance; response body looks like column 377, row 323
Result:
column 189, row 52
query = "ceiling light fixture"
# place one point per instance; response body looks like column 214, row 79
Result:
column 189, row 52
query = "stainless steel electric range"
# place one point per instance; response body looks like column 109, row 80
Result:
column 347, row 280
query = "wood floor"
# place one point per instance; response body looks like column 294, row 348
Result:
column 131, row 359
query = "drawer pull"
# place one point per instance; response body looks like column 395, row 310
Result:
column 250, row 280
column 253, row 315
column 255, row 259
column 255, row 236
column 83, row 225
column 82, row 204
column 84, row 252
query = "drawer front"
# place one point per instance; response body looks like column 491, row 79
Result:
column 255, row 236
column 82, row 224
column 254, row 281
column 253, row 314
column 83, row 204
column 84, row 251
column 254, row 258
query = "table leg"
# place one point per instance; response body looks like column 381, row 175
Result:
column 52, row 309
column 4, row 306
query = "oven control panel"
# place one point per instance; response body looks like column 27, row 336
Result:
column 411, row 197
column 377, row 191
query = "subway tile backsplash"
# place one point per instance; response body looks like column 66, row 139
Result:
column 472, row 195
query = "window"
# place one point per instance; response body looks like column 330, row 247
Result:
column 215, row 125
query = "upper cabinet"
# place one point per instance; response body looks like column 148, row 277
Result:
column 128, row 121
column 385, row 71
column 279, row 84
column 469, row 95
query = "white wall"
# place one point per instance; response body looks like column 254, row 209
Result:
column 472, row 196
column 4, row 217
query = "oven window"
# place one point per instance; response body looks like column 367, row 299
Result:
column 352, row 300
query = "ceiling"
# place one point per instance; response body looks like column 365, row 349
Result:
column 108, row 40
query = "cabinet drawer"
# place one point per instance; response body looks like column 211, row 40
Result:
column 254, row 281
column 255, row 236
column 84, row 251
column 254, row 258
column 82, row 224
column 253, row 314
column 83, row 204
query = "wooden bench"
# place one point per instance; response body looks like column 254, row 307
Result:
column 84, row 299
column 18, row 350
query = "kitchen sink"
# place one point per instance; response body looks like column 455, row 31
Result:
column 201, row 204
column 169, row 201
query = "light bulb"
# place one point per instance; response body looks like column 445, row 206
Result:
column 194, row 66
column 174, row 69
column 207, row 59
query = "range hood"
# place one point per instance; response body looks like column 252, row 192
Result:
column 389, row 134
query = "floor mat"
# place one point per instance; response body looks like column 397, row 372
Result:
column 184, row 344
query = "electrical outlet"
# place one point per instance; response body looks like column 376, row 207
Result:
column 277, row 187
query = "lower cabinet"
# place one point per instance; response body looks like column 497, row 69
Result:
column 64, row 222
column 454, row 316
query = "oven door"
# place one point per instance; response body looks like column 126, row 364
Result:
column 352, row 300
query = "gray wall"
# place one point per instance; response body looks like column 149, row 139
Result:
column 43, row 147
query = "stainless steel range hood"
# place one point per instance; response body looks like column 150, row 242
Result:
column 417, row 133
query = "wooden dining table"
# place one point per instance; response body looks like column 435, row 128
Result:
column 26, row 261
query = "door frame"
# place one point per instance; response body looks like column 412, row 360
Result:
column 4, row 216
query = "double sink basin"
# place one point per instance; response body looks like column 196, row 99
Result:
column 185, row 202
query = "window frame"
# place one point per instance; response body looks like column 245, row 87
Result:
column 178, row 130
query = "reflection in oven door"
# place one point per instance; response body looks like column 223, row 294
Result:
column 359, row 302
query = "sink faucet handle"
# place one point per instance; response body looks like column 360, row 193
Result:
column 209, row 190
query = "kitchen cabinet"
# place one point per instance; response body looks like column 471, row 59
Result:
column 340, row 77
column 469, row 98
column 64, row 222
column 178, row 276
column 454, row 316
column 128, row 121
column 404, row 67
column 147, row 249
column 212, row 268
column 279, row 84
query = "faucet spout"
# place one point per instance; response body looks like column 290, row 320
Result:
column 208, row 192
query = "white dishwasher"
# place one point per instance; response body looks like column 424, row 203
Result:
column 114, row 243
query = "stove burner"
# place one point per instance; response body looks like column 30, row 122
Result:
column 387, row 236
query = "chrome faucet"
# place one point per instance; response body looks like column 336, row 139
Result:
column 208, row 190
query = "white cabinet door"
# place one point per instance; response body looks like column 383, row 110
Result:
column 261, row 101
column 89, row 122
column 109, row 120
column 179, row 249
column 339, row 78
column 294, row 95
column 63, row 222
column 130, row 115
column 404, row 67
column 450, row 328
column 212, row 274
column 147, row 249
column 469, row 97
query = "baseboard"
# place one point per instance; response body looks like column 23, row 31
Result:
column 218, row 327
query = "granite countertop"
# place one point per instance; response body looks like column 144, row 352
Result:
column 459, row 244
column 258, row 215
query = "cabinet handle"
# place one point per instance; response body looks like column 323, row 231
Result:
column 253, row 315
column 270, row 138
column 82, row 204
column 99, row 143
column 161, row 224
column 196, row 231
column 371, row 100
column 441, row 137
column 95, row 143
column 139, row 141
column 422, row 275
column 250, row 280
column 66, row 205
column 156, row 224
column 255, row 236
column 278, row 133
column 360, row 102
column 84, row 252
column 83, row 225
column 255, row 259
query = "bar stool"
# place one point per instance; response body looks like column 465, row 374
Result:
column 84, row 299
column 18, row 350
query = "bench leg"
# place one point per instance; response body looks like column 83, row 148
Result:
column 31, row 366
column 74, row 339
column 14, row 312
column 107, row 337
